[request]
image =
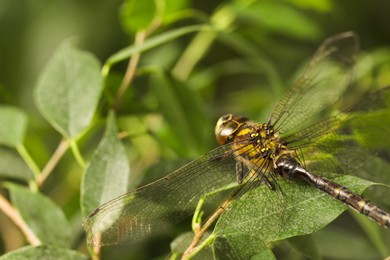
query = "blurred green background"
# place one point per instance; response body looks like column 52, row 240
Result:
column 261, row 47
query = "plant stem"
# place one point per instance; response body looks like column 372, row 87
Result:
column 201, row 230
column 197, row 218
column 127, row 52
column 55, row 158
column 31, row 164
column 205, row 243
column 76, row 152
column 130, row 71
column 221, row 19
column 194, row 52
column 14, row 215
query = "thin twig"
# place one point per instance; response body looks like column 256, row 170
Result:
column 133, row 62
column 55, row 158
column 199, row 233
column 15, row 217
column 28, row 160
column 153, row 26
column 130, row 72
column 76, row 153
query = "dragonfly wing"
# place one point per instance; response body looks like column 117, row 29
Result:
column 343, row 143
column 321, row 85
column 155, row 207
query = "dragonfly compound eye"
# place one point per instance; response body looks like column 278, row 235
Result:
column 227, row 126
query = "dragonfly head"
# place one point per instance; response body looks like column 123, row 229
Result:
column 227, row 127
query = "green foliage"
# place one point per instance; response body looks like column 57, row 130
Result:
column 69, row 89
column 178, row 103
column 128, row 111
column 300, row 210
column 13, row 124
column 106, row 175
column 137, row 15
column 263, row 13
column 42, row 215
column 43, row 252
column 12, row 166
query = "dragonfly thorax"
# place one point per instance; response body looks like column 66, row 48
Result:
column 253, row 143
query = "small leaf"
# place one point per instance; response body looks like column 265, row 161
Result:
column 265, row 254
column 137, row 15
column 69, row 89
column 181, row 109
column 12, row 166
column 321, row 6
column 269, row 216
column 173, row 6
column 13, row 124
column 43, row 252
column 180, row 243
column 336, row 243
column 242, row 246
column 44, row 217
column 106, row 175
column 294, row 22
column 306, row 245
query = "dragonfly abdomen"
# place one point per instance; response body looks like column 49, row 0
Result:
column 353, row 200
column 289, row 168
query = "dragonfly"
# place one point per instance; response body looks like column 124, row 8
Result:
column 304, row 141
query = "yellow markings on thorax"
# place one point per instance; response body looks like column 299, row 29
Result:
column 265, row 147
column 261, row 146
column 245, row 131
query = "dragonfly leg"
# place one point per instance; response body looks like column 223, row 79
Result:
column 269, row 183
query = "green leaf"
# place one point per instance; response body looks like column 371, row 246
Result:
column 42, row 215
column 239, row 246
column 68, row 90
column 294, row 22
column 181, row 242
column 137, row 15
column 221, row 247
column 376, row 169
column 323, row 6
column 13, row 124
column 267, row 216
column 370, row 131
column 43, row 252
column 306, row 245
column 181, row 108
column 12, row 166
column 172, row 6
column 338, row 243
column 373, row 232
column 106, row 175
column 266, row 254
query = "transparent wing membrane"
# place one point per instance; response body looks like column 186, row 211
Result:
column 322, row 84
column 322, row 144
column 155, row 207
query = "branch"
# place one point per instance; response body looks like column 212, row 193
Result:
column 130, row 72
column 51, row 164
column 15, row 217
column 201, row 230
